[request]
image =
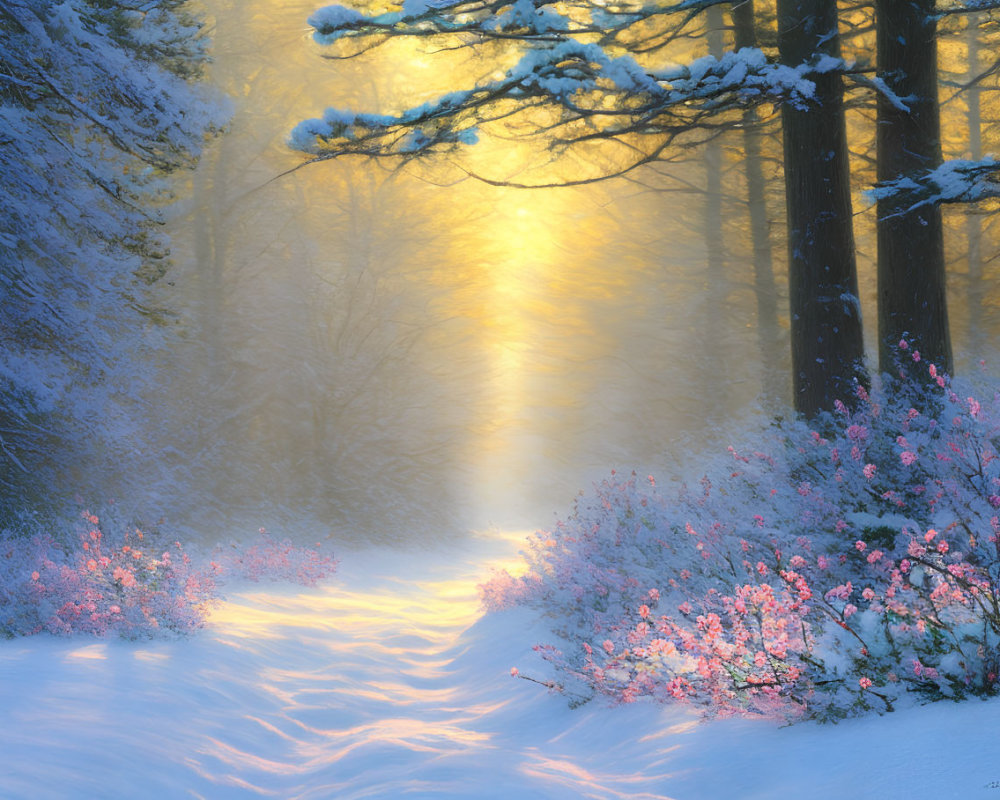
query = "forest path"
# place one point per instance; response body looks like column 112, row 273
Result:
column 387, row 683
column 384, row 683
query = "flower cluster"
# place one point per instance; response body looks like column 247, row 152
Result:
column 114, row 581
column 119, row 580
column 852, row 562
column 274, row 560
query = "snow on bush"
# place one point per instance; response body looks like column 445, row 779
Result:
column 117, row 580
column 823, row 576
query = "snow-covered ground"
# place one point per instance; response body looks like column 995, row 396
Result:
column 388, row 683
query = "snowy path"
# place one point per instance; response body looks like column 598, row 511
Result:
column 384, row 685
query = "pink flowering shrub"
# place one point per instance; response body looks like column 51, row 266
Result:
column 825, row 577
column 118, row 580
column 114, row 580
column 274, row 560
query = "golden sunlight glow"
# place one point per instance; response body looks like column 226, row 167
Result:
column 92, row 652
column 399, row 346
column 434, row 610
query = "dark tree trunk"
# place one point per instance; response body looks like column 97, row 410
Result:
column 911, row 268
column 974, row 222
column 827, row 343
column 765, row 289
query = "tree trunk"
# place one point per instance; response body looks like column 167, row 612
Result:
column 911, row 267
column 765, row 288
column 827, row 343
column 713, row 392
column 973, row 221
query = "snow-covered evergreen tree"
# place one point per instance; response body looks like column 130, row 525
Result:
column 98, row 104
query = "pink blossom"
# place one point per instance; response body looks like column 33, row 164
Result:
column 841, row 592
column 514, row 672
column 711, row 625
column 857, row 433
column 869, row 471
column 663, row 647
column 643, row 611
column 908, row 457
column 849, row 610
column 865, row 683
column 860, row 546
column 609, row 646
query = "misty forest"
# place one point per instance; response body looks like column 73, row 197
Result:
column 459, row 398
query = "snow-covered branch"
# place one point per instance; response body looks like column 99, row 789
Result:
column 524, row 20
column 955, row 181
column 594, row 96
column 966, row 7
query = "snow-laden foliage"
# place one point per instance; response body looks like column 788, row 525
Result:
column 615, row 94
column 821, row 575
column 957, row 180
column 114, row 579
column 587, row 64
column 98, row 105
column 946, row 7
